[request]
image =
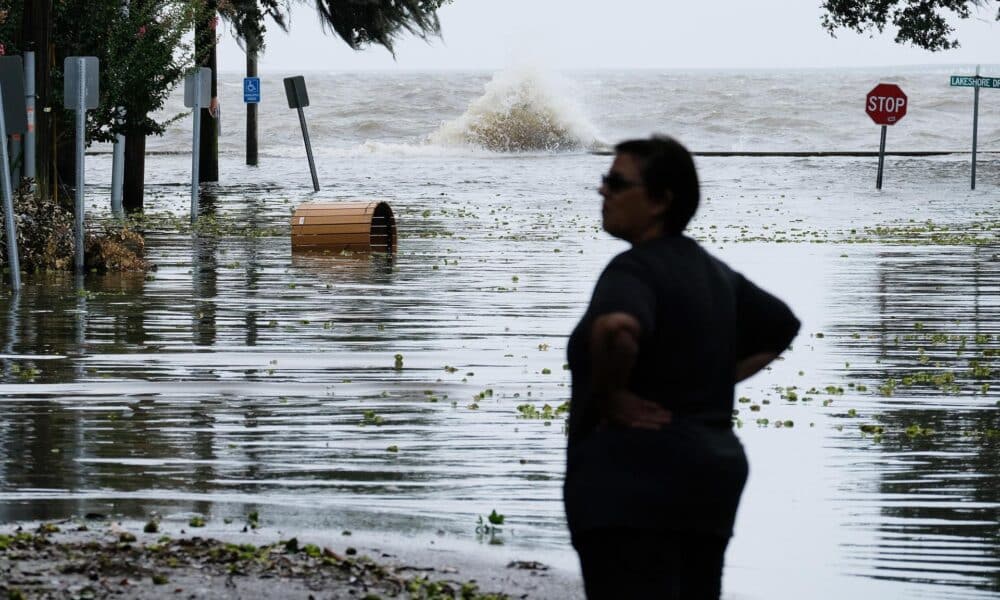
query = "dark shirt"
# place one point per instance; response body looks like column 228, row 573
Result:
column 698, row 318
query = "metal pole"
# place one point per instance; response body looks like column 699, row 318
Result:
column 81, row 122
column 29, row 102
column 309, row 150
column 10, row 228
column 975, row 128
column 196, row 145
column 118, row 175
column 881, row 159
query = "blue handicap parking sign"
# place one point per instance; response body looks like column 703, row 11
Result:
column 251, row 90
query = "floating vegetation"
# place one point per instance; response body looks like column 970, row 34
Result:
column 369, row 417
column 491, row 526
column 197, row 521
column 979, row 370
column 546, row 413
column 398, row 364
column 910, row 234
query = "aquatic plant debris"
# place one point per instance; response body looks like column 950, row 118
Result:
column 86, row 564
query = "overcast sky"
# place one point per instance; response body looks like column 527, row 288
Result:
column 584, row 34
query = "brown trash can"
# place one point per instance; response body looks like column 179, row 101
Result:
column 356, row 225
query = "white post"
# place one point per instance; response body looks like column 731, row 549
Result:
column 118, row 175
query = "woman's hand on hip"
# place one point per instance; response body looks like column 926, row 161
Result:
column 625, row 409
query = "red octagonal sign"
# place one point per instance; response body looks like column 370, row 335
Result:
column 886, row 104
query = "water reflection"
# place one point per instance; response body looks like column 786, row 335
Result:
column 931, row 350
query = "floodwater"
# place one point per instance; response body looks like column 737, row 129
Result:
column 239, row 376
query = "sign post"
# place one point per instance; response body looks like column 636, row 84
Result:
column 197, row 89
column 13, row 120
column 295, row 91
column 974, row 82
column 81, row 93
column 886, row 104
column 29, row 98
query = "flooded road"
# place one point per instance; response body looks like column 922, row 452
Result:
column 241, row 377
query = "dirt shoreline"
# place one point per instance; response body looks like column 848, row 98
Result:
column 108, row 559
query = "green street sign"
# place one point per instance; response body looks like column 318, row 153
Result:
column 975, row 81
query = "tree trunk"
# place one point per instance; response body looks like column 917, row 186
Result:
column 135, row 169
column 205, row 51
column 37, row 32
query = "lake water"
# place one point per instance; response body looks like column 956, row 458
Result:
column 239, row 376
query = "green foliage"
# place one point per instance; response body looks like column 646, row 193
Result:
column 923, row 24
column 143, row 56
column 360, row 24
column 248, row 18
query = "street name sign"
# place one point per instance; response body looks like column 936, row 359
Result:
column 974, row 81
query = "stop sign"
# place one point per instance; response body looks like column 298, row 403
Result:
column 886, row 104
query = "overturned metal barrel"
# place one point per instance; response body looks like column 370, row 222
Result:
column 356, row 225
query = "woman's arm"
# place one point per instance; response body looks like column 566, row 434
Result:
column 751, row 364
column 614, row 345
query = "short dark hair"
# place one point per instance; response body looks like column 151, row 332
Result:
column 666, row 165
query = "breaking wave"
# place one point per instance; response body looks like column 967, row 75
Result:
column 521, row 110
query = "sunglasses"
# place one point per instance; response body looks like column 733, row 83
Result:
column 615, row 182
